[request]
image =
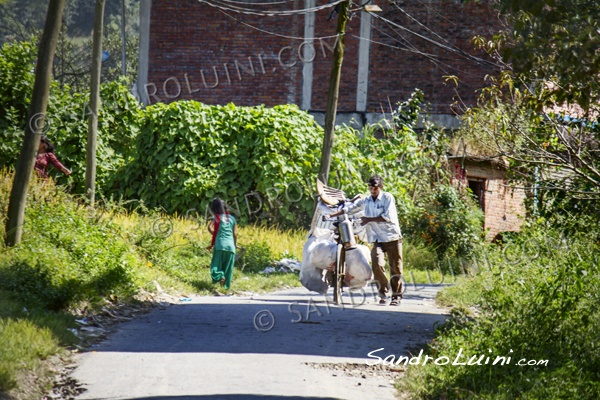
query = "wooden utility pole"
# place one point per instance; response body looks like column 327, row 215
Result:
column 35, row 123
column 333, row 94
column 90, row 155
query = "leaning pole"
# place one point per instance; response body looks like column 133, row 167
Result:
column 333, row 94
column 35, row 123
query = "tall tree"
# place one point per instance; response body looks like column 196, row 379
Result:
column 90, row 159
column 543, row 111
column 556, row 42
column 37, row 113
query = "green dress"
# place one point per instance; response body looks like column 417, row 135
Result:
column 223, row 257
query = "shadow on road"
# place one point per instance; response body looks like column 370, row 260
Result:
column 233, row 397
column 286, row 324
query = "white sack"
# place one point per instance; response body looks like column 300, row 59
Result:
column 323, row 234
column 322, row 254
column 358, row 267
column 311, row 277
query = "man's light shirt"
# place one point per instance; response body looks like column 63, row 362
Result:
column 385, row 206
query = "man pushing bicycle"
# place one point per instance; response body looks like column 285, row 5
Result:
column 383, row 229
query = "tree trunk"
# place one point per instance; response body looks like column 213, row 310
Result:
column 35, row 125
column 90, row 155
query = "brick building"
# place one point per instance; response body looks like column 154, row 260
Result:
column 501, row 202
column 204, row 51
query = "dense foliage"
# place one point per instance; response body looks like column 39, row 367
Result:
column 255, row 157
column 66, row 258
column 555, row 42
column 447, row 219
column 187, row 153
column 539, row 298
column 178, row 157
column 16, row 85
column 67, row 119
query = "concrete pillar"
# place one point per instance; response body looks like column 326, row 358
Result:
column 144, row 52
column 308, row 55
column 364, row 50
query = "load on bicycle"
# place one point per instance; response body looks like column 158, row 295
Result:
column 331, row 255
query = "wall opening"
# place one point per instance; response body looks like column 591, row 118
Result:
column 477, row 186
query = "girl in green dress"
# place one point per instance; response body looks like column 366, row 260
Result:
column 224, row 243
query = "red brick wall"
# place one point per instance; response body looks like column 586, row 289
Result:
column 503, row 203
column 322, row 66
column 396, row 73
column 188, row 37
column 504, row 207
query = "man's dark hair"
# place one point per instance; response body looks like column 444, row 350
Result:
column 376, row 180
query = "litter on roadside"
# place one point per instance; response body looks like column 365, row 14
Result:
column 268, row 270
column 285, row 265
column 289, row 264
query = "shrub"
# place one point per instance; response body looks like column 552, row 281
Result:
column 16, row 85
column 66, row 124
column 118, row 126
column 187, row 153
column 256, row 258
column 447, row 219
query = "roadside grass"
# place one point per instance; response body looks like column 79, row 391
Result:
column 27, row 338
column 419, row 256
column 465, row 292
column 177, row 246
column 73, row 259
column 538, row 298
column 415, row 276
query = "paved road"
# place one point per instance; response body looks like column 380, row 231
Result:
column 210, row 348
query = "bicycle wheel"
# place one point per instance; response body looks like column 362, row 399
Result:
column 337, row 275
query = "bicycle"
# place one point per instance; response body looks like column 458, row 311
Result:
column 345, row 240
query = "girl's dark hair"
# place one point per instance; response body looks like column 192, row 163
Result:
column 48, row 143
column 217, row 206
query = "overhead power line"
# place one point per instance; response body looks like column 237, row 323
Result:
column 271, row 13
column 230, row 7
column 433, row 58
column 462, row 53
column 258, row 4
column 276, row 34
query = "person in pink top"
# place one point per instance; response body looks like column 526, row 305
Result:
column 45, row 157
